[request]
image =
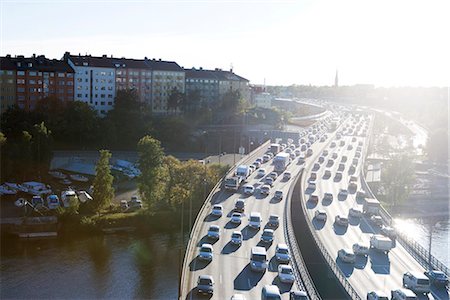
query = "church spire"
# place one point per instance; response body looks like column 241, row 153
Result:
column 336, row 80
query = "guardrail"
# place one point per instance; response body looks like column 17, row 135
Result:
column 191, row 247
column 415, row 249
column 300, row 271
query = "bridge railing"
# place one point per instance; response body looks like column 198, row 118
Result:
column 191, row 246
column 301, row 273
column 421, row 254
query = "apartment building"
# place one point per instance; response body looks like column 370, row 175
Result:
column 229, row 82
column 95, row 81
column 203, row 84
column 7, row 85
column 38, row 77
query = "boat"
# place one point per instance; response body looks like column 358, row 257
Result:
column 6, row 190
column 52, row 201
column 83, row 196
column 78, row 177
column 36, row 188
column 16, row 186
column 66, row 181
column 67, row 197
column 57, row 174
column 37, row 201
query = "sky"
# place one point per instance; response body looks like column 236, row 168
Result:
column 385, row 42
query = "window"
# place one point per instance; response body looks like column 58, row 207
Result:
column 20, row 73
column 103, row 88
column 102, row 96
column 110, row 96
column 109, row 103
column 32, row 73
column 86, row 95
column 31, row 81
column 20, row 97
column 69, row 75
column 21, row 90
column 79, row 95
column 80, row 79
column 9, row 73
column 30, row 65
column 102, row 103
column 61, row 75
column 70, row 83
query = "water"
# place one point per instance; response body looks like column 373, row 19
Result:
column 115, row 266
column 419, row 229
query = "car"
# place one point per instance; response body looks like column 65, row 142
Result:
column 273, row 175
column 346, row 255
column 416, row 282
column 261, row 172
column 353, row 139
column 297, row 152
column 316, row 166
column 341, row 220
column 355, row 162
column 303, row 148
column 274, row 221
column 344, row 159
column 338, row 176
column 270, row 292
column 266, row 158
column 265, row 189
column 309, row 152
column 341, row 143
column 255, row 220
column 321, row 159
column 248, row 189
column 282, row 253
column 237, row 297
column 327, row 174
column 292, row 156
column 259, row 160
column 352, row 186
column 353, row 179
column 311, row 186
column 358, row 149
column 357, row 154
column 343, row 193
column 437, row 278
column 270, row 155
column 301, row 160
column 205, row 285
column 269, row 181
column 351, row 170
column 257, row 164
column 389, row 232
column 267, row 236
column 313, row 198
column 328, row 197
column 214, row 232
column 403, row 294
column 341, row 167
column 239, row 205
column 288, row 150
column 325, row 152
column 349, row 147
column 313, row 176
column 298, row 295
column 135, row 203
column 361, row 194
column 251, row 168
column 206, row 252
column 330, row 163
column 287, row 175
column 320, row 215
column 236, row 218
column 360, row 249
column 124, row 205
column 355, row 212
column 217, row 210
column 334, row 155
column 286, row 274
column 236, row 238
column 278, row 195
column 333, row 144
column 377, row 220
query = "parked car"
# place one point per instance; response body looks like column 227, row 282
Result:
column 437, row 278
column 286, row 274
column 205, row 285
column 206, row 252
column 236, row 238
column 346, row 255
column 214, row 232
column 282, row 253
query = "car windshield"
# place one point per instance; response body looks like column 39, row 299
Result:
column 423, row 281
column 267, row 233
column 283, row 251
column 206, row 249
column 214, row 229
column 286, row 271
column 258, row 257
column 254, row 219
column 273, row 218
column 235, row 235
column 205, row 282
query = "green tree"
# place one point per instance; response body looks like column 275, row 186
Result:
column 42, row 145
column 175, row 100
column 2, row 139
column 397, row 179
column 103, row 189
column 150, row 182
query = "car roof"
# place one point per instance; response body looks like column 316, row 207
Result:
column 207, row 246
column 418, row 275
column 218, row 205
column 214, row 226
column 237, row 232
column 259, row 250
column 268, row 230
column 272, row 290
column 282, row 246
column 255, row 213
column 207, row 277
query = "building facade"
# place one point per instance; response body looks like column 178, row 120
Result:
column 203, row 85
column 263, row 100
column 38, row 77
column 7, row 85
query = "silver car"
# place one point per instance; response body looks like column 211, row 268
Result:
column 214, row 232
column 206, row 252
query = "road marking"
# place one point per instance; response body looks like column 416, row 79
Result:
column 220, row 278
column 248, row 281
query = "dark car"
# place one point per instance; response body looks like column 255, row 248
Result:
column 205, row 285
column 437, row 278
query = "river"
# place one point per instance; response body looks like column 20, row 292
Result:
column 112, row 266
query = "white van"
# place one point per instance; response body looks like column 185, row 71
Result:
column 417, row 282
column 255, row 220
column 258, row 259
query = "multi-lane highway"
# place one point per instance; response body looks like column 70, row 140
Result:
column 230, row 266
column 377, row 271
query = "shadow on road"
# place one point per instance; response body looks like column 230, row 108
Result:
column 231, row 225
column 210, row 218
column 193, row 294
column 379, row 262
column 247, row 279
column 365, row 227
column 265, row 245
column 318, row 224
column 311, row 204
column 283, row 287
column 361, row 262
column 229, row 248
column 354, row 221
column 198, row 264
column 339, row 229
column 206, row 240
column 273, row 264
column 248, row 232
column 346, row 268
column 274, row 200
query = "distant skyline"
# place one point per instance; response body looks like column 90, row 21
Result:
column 385, row 43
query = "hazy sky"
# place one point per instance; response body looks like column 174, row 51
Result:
column 386, row 43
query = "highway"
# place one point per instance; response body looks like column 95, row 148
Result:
column 378, row 271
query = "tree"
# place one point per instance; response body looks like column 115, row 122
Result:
column 42, row 145
column 397, row 179
column 150, row 163
column 103, row 190
column 175, row 100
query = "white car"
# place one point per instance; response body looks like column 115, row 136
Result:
column 214, row 232
column 403, row 294
column 236, row 238
column 282, row 253
column 236, row 218
column 389, row 232
column 238, row 297
column 320, row 215
column 261, row 172
column 377, row 220
column 265, row 189
column 251, row 168
column 355, row 212
column 255, row 220
column 286, row 274
column 360, row 249
column 287, row 175
column 249, row 189
column 377, row 295
column 217, row 210
column 341, row 220
column 206, row 252
column 346, row 255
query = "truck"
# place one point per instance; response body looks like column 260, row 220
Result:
column 281, row 161
column 381, row 243
column 275, row 148
column 243, row 171
column 371, row 206
column 233, row 183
